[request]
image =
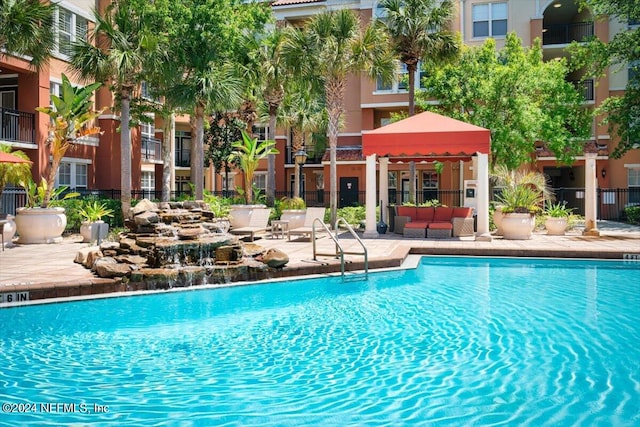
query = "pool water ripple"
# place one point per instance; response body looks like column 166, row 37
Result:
column 458, row 341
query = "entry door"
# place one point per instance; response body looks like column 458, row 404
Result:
column 348, row 191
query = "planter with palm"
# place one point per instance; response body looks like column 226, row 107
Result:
column 72, row 117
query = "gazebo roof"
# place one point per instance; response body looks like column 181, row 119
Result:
column 427, row 134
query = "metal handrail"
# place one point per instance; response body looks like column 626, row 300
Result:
column 339, row 249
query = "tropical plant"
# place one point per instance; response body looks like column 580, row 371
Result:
column 13, row 172
column 558, row 210
column 43, row 196
column 93, row 210
column 72, row 116
column 419, row 31
column 118, row 45
column 247, row 155
column 27, row 29
column 292, row 203
column 334, row 45
column 224, row 129
column 522, row 191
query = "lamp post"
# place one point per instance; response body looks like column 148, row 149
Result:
column 301, row 158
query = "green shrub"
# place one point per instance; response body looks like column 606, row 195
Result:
column 631, row 215
column 354, row 215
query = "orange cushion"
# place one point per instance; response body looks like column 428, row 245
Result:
column 462, row 212
column 416, row 225
column 409, row 211
column 424, row 214
column 441, row 226
column 443, row 214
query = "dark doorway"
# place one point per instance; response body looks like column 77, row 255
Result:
column 348, row 191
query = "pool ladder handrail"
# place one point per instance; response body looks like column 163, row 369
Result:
column 340, row 252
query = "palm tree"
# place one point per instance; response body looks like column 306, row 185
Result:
column 303, row 111
column 275, row 73
column 333, row 46
column 27, row 29
column 115, row 53
column 418, row 32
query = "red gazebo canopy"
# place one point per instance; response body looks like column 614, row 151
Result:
column 427, row 134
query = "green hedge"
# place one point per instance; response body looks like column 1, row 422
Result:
column 632, row 215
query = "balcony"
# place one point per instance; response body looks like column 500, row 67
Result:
column 554, row 34
column 314, row 156
column 151, row 149
column 183, row 158
column 17, row 126
column 587, row 89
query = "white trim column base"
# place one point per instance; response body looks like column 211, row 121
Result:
column 590, row 196
column 370, row 210
column 482, row 198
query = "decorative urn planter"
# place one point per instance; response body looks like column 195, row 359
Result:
column 517, row 226
column 94, row 231
column 239, row 215
column 9, row 230
column 294, row 216
column 40, row 225
column 555, row 226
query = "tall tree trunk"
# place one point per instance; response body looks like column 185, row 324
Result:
column 334, row 91
column 168, row 156
column 271, row 159
column 125, row 155
column 296, row 145
column 412, row 66
column 197, row 154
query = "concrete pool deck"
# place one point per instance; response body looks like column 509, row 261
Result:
column 49, row 271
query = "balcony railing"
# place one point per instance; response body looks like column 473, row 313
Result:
column 566, row 33
column 587, row 88
column 151, row 148
column 183, row 158
column 17, row 126
column 314, row 156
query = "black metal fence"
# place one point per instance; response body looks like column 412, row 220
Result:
column 611, row 201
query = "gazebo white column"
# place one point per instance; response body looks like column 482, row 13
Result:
column 482, row 198
column 384, row 187
column 590, row 195
column 370, row 231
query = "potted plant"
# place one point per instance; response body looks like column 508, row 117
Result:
column 247, row 155
column 12, row 172
column 293, row 210
column 557, row 218
column 93, row 228
column 521, row 198
column 71, row 114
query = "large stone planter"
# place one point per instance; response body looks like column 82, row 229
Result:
column 39, row 225
column 94, row 231
column 9, row 230
column 517, row 226
column 555, row 226
column 497, row 220
column 239, row 215
column 294, row 216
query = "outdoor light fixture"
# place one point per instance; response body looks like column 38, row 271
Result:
column 604, row 173
column 557, row 5
column 300, row 158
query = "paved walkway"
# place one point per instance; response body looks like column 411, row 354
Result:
column 26, row 267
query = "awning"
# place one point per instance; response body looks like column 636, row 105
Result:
column 427, row 134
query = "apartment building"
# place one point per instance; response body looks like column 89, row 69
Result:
column 94, row 164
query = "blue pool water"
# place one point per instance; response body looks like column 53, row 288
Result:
column 457, row 341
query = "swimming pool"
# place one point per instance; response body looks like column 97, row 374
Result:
column 457, row 341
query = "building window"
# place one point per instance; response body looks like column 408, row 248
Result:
column 71, row 28
column 148, row 181
column 634, row 177
column 260, row 132
column 489, row 19
column 147, row 128
column 401, row 82
column 260, row 181
column 429, row 186
column 72, row 175
column 633, row 180
column 634, row 73
column 392, row 180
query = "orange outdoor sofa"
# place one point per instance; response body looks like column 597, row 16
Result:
column 434, row 222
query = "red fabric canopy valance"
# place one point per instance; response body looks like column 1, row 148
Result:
column 427, row 134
